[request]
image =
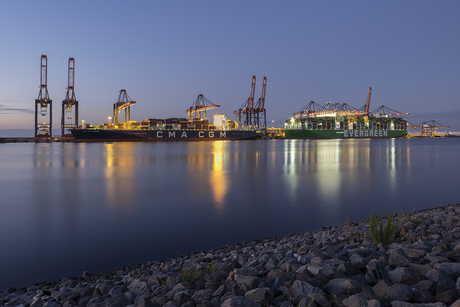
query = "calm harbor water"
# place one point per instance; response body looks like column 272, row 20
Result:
column 68, row 207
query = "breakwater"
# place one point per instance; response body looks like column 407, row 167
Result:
column 338, row 265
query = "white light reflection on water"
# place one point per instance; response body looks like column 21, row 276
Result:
column 328, row 174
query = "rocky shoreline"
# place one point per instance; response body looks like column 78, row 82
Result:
column 335, row 266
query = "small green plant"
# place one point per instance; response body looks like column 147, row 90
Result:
column 194, row 274
column 409, row 217
column 381, row 233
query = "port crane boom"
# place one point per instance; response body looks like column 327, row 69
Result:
column 199, row 108
column 384, row 111
column 124, row 102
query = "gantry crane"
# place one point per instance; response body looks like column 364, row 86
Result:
column 248, row 106
column 312, row 109
column 429, row 128
column 259, row 109
column 199, row 108
column 43, row 104
column 254, row 113
column 384, row 111
column 69, row 119
column 124, row 102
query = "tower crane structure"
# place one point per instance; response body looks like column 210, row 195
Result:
column 253, row 113
column 199, row 107
column 124, row 102
column 69, row 118
column 43, row 104
column 247, row 107
column 260, row 113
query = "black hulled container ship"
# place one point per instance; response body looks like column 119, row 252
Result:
column 194, row 128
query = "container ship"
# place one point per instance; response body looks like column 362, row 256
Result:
column 337, row 121
column 194, row 128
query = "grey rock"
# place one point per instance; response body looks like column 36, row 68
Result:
column 450, row 269
column 443, row 282
column 115, row 301
column 239, row 301
column 373, row 303
column 315, row 269
column 381, row 288
column 436, row 259
column 403, row 275
column 260, row 296
column 246, row 282
column 145, row 302
column 406, row 304
column 170, row 304
column 201, row 295
column 345, row 286
column 422, row 296
column 448, row 297
column 357, row 300
column 94, row 302
column 399, row 292
column 307, row 302
column 159, row 300
column 375, row 272
column 420, row 268
column 398, row 258
column 414, row 253
column 358, row 261
column 303, row 288
column 346, row 268
column 181, row 298
column 456, row 303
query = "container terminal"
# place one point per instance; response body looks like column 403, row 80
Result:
column 313, row 121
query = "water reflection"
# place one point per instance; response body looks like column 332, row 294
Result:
column 119, row 173
column 218, row 179
column 81, row 205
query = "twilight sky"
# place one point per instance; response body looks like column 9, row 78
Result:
column 165, row 53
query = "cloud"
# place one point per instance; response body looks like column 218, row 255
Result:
column 9, row 110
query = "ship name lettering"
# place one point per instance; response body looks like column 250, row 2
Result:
column 184, row 135
column 201, row 134
column 172, row 134
column 223, row 134
column 159, row 134
column 211, row 134
column 363, row 133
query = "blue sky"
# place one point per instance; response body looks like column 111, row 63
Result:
column 165, row 53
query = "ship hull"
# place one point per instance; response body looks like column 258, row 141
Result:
column 342, row 134
column 114, row 135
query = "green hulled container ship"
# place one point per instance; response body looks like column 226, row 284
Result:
column 336, row 121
